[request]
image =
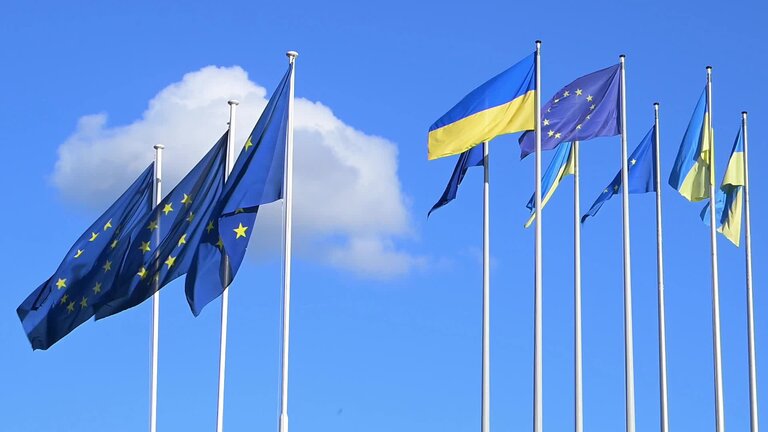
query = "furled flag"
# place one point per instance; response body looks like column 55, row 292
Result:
column 584, row 109
column 691, row 174
column 560, row 166
column 729, row 200
column 257, row 178
column 642, row 171
column 470, row 158
column 164, row 246
column 504, row 104
column 88, row 272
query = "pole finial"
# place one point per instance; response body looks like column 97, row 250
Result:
column 292, row 56
column 744, row 113
column 233, row 102
column 656, row 104
column 159, row 146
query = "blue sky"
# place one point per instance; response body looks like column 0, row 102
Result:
column 386, row 305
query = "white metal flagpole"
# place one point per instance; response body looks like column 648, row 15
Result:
column 578, row 392
column 287, row 238
column 664, row 408
column 719, row 405
column 155, row 304
column 754, row 420
column 629, row 356
column 538, row 400
column 225, row 294
column 486, row 372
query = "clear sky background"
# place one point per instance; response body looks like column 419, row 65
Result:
column 386, row 305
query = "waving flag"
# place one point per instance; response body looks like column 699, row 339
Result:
column 504, row 104
column 88, row 273
column 729, row 199
column 692, row 174
column 559, row 167
column 584, row 109
column 470, row 158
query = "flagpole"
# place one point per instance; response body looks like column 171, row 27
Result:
column 719, row 409
column 664, row 408
column 629, row 356
column 578, row 401
column 225, row 293
column 486, row 372
column 287, row 238
column 538, row 400
column 155, row 304
column 754, row 420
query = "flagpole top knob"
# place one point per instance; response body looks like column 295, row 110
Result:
column 744, row 113
column 538, row 41
column 656, row 104
column 233, row 102
column 622, row 56
column 709, row 68
column 292, row 55
column 159, row 146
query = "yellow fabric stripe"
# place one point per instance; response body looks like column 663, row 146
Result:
column 515, row 116
column 734, row 174
column 695, row 187
column 567, row 169
column 731, row 227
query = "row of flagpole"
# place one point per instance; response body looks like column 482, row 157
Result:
column 440, row 146
column 286, row 275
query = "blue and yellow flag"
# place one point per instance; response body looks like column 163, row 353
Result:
column 164, row 246
column 470, row 158
column 257, row 178
column 88, row 273
column 642, row 171
column 504, row 104
column 729, row 200
column 692, row 174
column 584, row 109
column 559, row 167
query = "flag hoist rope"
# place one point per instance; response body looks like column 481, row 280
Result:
column 155, row 341
column 225, row 294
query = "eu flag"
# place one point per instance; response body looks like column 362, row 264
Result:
column 584, row 109
column 88, row 273
column 164, row 246
column 642, row 171
column 257, row 178
column 470, row 158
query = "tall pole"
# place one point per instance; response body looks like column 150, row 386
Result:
column 629, row 355
column 750, row 305
column 486, row 386
column 719, row 405
column 538, row 400
column 225, row 294
column 664, row 408
column 158, row 194
column 287, row 236
column 578, row 399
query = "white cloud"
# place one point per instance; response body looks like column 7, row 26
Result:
column 349, row 208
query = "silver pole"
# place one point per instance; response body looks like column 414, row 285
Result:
column 538, row 400
column 486, row 386
column 287, row 236
column 719, row 405
column 629, row 356
column 578, row 392
column 754, row 420
column 664, row 408
column 225, row 294
column 155, row 303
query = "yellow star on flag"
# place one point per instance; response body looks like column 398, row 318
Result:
column 108, row 225
column 209, row 228
column 240, row 231
column 61, row 283
column 578, row 92
column 566, row 94
column 169, row 262
column 190, row 217
column 546, row 122
column 152, row 225
column 220, row 243
column 79, row 252
column 97, row 288
column 187, row 200
column 93, row 236
column 71, row 307
column 615, row 188
column 589, row 98
column 142, row 273
column 550, row 133
column 84, row 303
column 248, row 144
column 107, row 266
column 182, row 240
column 114, row 244
column 238, row 211
column 145, row 247
column 633, row 161
column 558, row 135
column 168, row 208
column 64, row 299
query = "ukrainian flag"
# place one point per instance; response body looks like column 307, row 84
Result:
column 560, row 167
column 692, row 174
column 504, row 104
column 730, row 200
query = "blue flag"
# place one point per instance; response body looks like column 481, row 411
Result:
column 165, row 245
column 642, row 171
column 562, row 165
column 584, row 109
column 257, row 178
column 87, row 275
column 470, row 158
